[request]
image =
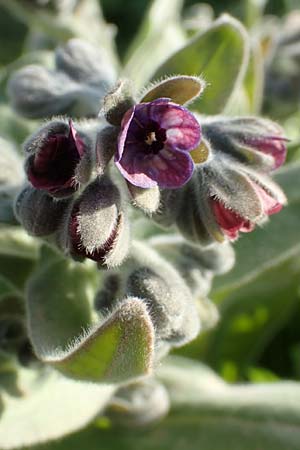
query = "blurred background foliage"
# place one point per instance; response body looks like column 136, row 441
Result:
column 258, row 337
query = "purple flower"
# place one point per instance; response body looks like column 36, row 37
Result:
column 54, row 164
column 154, row 144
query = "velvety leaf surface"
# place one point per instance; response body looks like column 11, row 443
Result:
column 219, row 55
column 15, row 242
column 207, row 413
column 248, row 99
column 48, row 406
column 64, row 334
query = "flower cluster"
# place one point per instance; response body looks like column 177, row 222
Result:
column 232, row 191
column 207, row 175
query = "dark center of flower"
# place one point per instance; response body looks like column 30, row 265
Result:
column 155, row 138
column 54, row 165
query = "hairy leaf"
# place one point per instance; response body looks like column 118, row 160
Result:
column 64, row 335
column 47, row 407
column 206, row 413
column 219, row 55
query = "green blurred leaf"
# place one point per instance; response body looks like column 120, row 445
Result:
column 159, row 35
column 48, row 406
column 13, row 127
column 16, row 270
column 14, row 241
column 252, row 314
column 248, row 98
column 261, row 292
column 6, row 288
column 12, row 34
column 59, row 297
column 207, row 414
column 64, row 335
column 85, row 21
column 220, row 56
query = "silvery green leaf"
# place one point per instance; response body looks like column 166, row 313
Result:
column 64, row 334
column 219, row 55
column 48, row 407
column 15, row 242
column 207, row 413
column 248, row 99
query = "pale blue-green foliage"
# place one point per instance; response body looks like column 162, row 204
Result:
column 81, row 349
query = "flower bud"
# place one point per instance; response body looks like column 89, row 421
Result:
column 196, row 264
column 36, row 92
column 228, row 193
column 232, row 222
column 139, row 404
column 106, row 146
column 77, row 87
column 146, row 199
column 11, row 179
column 97, row 226
column 59, row 158
column 254, row 141
column 39, row 214
column 225, row 198
column 85, row 64
column 117, row 102
column 170, row 303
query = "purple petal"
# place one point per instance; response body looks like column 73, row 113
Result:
column 78, row 143
column 272, row 145
column 183, row 129
column 126, row 121
column 169, row 169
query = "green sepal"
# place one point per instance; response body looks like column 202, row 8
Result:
column 179, row 89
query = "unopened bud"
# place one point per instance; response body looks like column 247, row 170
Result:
column 59, row 158
column 147, row 200
column 169, row 299
column 86, row 64
column 251, row 140
column 139, row 404
column 117, row 102
column 36, row 92
column 77, row 87
column 97, row 227
column 39, row 213
column 106, row 146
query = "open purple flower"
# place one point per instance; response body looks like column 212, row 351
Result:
column 154, row 144
column 54, row 164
